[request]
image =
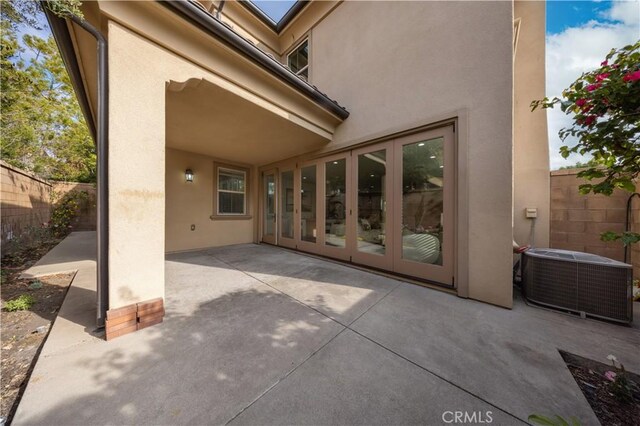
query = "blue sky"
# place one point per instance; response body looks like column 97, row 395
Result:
column 565, row 14
column 276, row 9
column 579, row 35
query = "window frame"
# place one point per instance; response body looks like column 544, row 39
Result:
column 307, row 68
column 233, row 169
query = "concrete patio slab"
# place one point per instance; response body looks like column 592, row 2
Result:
column 250, row 335
column 510, row 357
column 340, row 292
column 205, row 363
column 357, row 382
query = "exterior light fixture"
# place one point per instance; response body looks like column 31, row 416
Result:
column 421, row 144
column 188, row 175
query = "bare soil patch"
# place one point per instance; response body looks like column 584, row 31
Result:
column 23, row 332
column 590, row 376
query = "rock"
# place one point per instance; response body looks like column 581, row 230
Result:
column 41, row 329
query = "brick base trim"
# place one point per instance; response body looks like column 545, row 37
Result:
column 134, row 317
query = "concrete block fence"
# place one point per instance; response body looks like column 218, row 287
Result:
column 26, row 201
column 578, row 220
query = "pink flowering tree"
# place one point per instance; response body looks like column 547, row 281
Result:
column 605, row 107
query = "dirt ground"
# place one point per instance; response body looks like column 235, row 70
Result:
column 23, row 332
column 610, row 411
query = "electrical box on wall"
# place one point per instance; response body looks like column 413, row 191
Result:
column 531, row 212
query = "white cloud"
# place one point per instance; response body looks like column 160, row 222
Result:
column 580, row 49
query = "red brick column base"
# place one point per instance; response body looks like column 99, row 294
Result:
column 134, row 317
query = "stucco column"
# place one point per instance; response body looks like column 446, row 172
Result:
column 136, row 174
column 531, row 145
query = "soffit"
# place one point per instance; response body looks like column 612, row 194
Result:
column 208, row 119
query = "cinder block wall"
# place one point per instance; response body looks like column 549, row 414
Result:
column 24, row 200
column 578, row 220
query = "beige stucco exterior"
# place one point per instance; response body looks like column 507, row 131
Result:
column 181, row 99
column 531, row 186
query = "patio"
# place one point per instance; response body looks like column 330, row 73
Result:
column 255, row 334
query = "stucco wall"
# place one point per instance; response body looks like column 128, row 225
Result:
column 25, row 200
column 399, row 64
column 191, row 203
column 578, row 220
column 530, row 140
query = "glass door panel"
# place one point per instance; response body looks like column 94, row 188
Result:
column 423, row 204
column 270, row 214
column 372, row 186
column 335, row 203
column 308, row 217
column 336, row 207
column 423, row 201
column 287, row 209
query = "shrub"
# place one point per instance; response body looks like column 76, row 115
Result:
column 20, row 303
column 66, row 210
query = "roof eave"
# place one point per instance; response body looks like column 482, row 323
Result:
column 214, row 27
column 62, row 37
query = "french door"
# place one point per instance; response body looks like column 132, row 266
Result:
column 423, row 204
column 288, row 206
column 390, row 205
column 270, row 207
column 372, row 189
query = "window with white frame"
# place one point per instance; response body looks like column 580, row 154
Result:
column 298, row 60
column 231, row 191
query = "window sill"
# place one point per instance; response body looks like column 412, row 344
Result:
column 230, row 217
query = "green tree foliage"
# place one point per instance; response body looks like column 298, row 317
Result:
column 605, row 107
column 42, row 127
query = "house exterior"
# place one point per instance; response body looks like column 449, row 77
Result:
column 393, row 135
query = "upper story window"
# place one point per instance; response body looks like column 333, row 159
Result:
column 298, row 60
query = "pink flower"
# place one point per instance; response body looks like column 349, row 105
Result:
column 592, row 87
column 581, row 102
column 603, row 76
column 590, row 120
column 610, row 375
column 604, row 64
column 632, row 76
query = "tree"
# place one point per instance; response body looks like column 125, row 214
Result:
column 605, row 108
column 42, row 127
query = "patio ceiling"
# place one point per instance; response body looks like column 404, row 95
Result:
column 205, row 118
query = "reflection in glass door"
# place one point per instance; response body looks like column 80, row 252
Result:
column 424, row 205
column 336, row 207
column 308, row 204
column 372, row 183
column 287, row 200
column 270, row 211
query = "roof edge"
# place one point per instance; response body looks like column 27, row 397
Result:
column 205, row 21
column 62, row 37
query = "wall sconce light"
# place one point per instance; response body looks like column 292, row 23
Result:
column 188, row 175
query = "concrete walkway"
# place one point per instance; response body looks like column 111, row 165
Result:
column 260, row 335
